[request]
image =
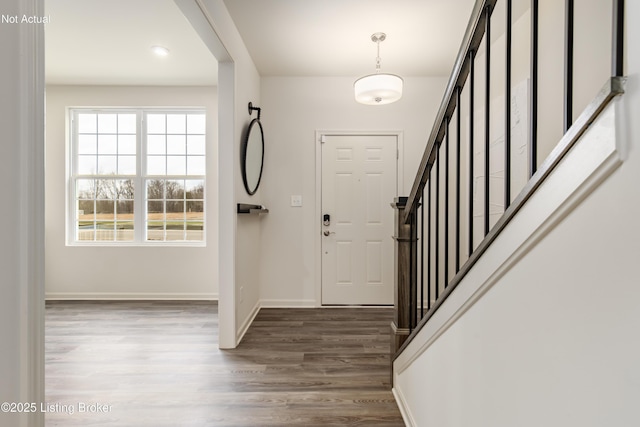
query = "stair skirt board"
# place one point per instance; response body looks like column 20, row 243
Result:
column 595, row 157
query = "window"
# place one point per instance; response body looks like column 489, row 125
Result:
column 137, row 176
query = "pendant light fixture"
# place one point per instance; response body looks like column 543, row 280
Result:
column 379, row 88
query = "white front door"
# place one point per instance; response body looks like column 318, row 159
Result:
column 359, row 181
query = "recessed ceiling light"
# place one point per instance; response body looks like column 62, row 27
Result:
column 160, row 51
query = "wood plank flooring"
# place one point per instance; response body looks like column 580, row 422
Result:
column 158, row 364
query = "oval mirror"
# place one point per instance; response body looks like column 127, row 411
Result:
column 252, row 156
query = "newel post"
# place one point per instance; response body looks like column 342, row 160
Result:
column 405, row 275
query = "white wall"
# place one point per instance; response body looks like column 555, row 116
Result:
column 547, row 333
column 294, row 108
column 126, row 272
column 592, row 46
column 22, row 214
column 239, row 84
column 592, row 50
column 10, row 156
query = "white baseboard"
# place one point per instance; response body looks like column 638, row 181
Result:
column 119, row 296
column 287, row 303
column 402, row 406
column 247, row 323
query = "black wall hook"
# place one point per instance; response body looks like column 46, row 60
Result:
column 252, row 109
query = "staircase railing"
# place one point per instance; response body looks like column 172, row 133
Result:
column 481, row 162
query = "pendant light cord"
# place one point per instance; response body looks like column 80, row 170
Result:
column 378, row 57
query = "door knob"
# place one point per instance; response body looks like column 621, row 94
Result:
column 327, row 232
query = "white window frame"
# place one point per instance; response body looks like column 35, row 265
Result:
column 139, row 179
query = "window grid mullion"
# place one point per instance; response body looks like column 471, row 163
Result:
column 141, row 165
column 118, row 200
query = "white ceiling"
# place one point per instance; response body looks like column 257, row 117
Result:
column 333, row 37
column 107, row 41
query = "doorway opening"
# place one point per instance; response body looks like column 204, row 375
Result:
column 222, row 114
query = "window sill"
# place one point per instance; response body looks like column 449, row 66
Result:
column 138, row 244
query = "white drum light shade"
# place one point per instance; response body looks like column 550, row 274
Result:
column 378, row 89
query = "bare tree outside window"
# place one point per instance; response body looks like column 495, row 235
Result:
column 108, row 179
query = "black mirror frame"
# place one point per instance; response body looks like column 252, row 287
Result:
column 244, row 157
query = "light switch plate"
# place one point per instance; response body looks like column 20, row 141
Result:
column 296, row 201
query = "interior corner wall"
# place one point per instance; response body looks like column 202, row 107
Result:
column 293, row 109
column 240, row 293
column 125, row 272
column 248, row 227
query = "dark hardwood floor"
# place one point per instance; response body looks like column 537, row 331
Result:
column 158, row 364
